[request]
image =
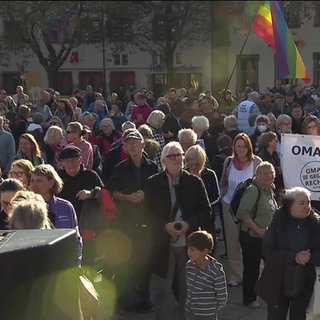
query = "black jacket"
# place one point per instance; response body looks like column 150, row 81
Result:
column 278, row 254
column 194, row 204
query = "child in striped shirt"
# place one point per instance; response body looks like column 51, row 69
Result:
column 205, row 278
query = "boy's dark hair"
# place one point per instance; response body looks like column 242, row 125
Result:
column 10, row 184
column 200, row 240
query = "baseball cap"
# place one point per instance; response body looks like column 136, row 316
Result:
column 134, row 134
column 70, row 152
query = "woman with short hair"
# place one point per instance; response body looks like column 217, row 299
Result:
column 292, row 251
column 46, row 182
column 53, row 145
column 195, row 159
column 156, row 121
column 256, row 209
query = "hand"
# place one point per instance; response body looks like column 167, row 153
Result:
column 84, row 195
column 169, row 227
column 136, row 197
column 303, row 257
column 261, row 232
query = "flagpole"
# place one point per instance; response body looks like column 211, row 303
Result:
column 237, row 61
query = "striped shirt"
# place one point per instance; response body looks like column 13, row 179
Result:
column 206, row 288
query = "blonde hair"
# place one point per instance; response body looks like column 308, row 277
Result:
column 154, row 117
column 29, row 211
column 196, row 152
column 51, row 133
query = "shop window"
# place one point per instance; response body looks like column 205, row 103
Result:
column 63, row 83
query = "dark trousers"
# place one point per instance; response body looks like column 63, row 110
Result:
column 132, row 277
column 297, row 309
column 252, row 255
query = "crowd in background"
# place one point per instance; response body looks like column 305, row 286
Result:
column 89, row 153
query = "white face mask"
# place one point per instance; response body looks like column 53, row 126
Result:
column 262, row 127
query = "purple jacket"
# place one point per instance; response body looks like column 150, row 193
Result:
column 65, row 217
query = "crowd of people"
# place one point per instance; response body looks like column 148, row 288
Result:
column 151, row 172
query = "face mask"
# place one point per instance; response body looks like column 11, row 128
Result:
column 262, row 127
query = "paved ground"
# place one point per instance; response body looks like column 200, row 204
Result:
column 234, row 310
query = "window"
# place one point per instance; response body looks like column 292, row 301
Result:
column 93, row 34
column 316, row 22
column 248, row 72
column 93, row 78
column 63, row 83
column 124, row 59
column 116, row 59
column 154, row 58
column 120, row 59
column 291, row 14
column 178, row 58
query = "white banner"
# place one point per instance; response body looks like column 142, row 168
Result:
column 300, row 162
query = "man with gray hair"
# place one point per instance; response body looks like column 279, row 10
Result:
column 177, row 204
column 245, row 110
column 7, row 147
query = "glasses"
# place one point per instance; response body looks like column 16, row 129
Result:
column 174, row 156
column 287, row 123
column 19, row 174
column 69, row 131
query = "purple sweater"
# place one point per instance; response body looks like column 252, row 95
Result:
column 65, row 217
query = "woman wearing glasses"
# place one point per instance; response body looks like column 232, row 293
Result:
column 20, row 170
column 8, row 189
column 195, row 159
column 75, row 137
column 238, row 167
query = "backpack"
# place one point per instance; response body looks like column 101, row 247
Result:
column 236, row 198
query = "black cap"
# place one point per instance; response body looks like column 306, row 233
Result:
column 290, row 94
column 70, row 152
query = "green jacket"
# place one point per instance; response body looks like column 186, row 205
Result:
column 265, row 206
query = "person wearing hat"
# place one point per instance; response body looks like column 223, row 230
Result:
column 227, row 102
column 79, row 184
column 290, row 100
column 278, row 105
column 127, row 188
column 140, row 112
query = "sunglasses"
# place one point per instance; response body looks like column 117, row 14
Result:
column 174, row 156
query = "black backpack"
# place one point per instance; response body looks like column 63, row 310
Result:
column 236, row 198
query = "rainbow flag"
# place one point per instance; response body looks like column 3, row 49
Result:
column 270, row 24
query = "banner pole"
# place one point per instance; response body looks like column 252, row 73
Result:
column 236, row 64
